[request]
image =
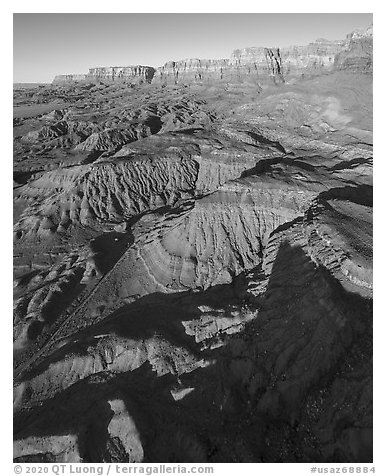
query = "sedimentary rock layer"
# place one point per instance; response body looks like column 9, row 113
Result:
column 110, row 73
column 256, row 65
column 66, row 78
column 122, row 73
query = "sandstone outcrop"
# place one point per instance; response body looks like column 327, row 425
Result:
column 110, row 73
column 358, row 52
column 258, row 65
column 122, row 73
column 255, row 65
column 68, row 78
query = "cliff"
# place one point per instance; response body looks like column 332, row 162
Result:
column 358, row 52
column 286, row 60
column 314, row 58
column 255, row 65
column 261, row 65
column 111, row 73
column 68, row 78
column 265, row 63
column 122, row 73
column 193, row 69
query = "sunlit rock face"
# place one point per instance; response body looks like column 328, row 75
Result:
column 358, row 52
column 122, row 73
column 193, row 261
column 259, row 65
column 68, row 78
column 253, row 65
column 132, row 74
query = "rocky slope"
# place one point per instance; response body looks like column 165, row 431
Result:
column 193, row 265
column 358, row 52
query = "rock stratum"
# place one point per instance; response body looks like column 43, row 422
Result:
column 111, row 73
column 256, row 65
column 193, row 261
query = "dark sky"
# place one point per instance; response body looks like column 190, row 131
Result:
column 59, row 43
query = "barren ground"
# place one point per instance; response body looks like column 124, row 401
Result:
column 193, row 272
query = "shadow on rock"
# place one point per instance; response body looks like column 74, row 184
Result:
column 292, row 385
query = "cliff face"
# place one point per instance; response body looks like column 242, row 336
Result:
column 249, row 64
column 68, row 78
column 265, row 62
column 358, row 52
column 260, row 65
column 193, row 69
column 110, row 73
column 252, row 65
column 144, row 73
column 311, row 59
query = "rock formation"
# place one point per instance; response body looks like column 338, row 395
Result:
column 255, row 65
column 358, row 52
column 258, row 65
column 122, row 73
column 111, row 73
column 68, row 78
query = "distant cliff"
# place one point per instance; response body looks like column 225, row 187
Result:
column 144, row 73
column 259, row 65
column 67, row 78
column 255, row 65
column 111, row 73
column 358, row 52
column 265, row 62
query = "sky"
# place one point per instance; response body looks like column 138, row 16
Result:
column 47, row 44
